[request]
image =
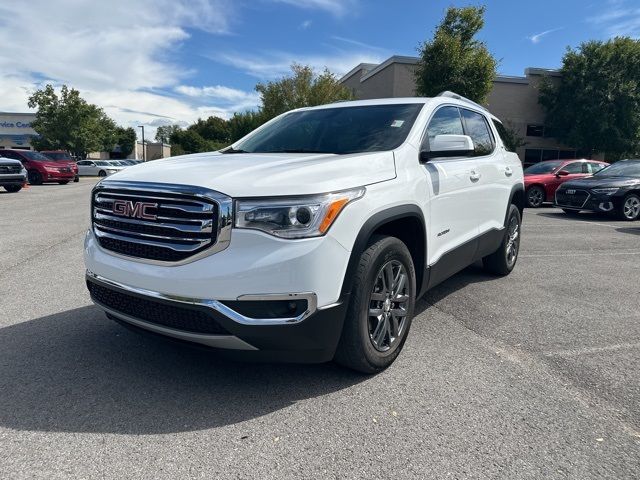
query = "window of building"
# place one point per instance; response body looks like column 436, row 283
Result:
column 535, row 130
column 477, row 128
column 532, row 155
column 550, row 154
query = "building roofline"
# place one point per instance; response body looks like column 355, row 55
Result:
column 511, row 79
column 391, row 61
column 18, row 113
column 356, row 69
column 542, row 71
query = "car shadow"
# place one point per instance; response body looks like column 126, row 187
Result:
column 631, row 230
column 77, row 371
column 578, row 217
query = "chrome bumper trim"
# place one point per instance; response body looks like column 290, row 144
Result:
column 311, row 298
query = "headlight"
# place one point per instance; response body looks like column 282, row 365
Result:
column 295, row 217
column 111, row 170
column 606, row 191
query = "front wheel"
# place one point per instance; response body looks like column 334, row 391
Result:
column 13, row 188
column 535, row 197
column 102, row 173
column 630, row 207
column 502, row 261
column 381, row 307
column 35, row 178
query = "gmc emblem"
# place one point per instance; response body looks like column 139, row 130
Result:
column 127, row 208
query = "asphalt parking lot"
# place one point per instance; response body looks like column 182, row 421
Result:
column 535, row 375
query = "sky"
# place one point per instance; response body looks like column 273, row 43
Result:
column 158, row 62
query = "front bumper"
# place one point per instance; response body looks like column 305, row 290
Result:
column 312, row 336
column 18, row 179
column 594, row 202
column 50, row 176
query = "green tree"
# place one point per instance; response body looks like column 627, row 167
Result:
column 302, row 89
column 243, row 123
column 164, row 132
column 595, row 106
column 454, row 60
column 126, row 139
column 213, row 129
column 69, row 122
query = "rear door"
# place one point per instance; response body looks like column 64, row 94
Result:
column 494, row 186
column 453, row 209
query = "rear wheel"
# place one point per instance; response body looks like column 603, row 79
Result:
column 13, row 188
column 102, row 173
column 630, row 207
column 381, row 307
column 535, row 197
column 502, row 261
column 35, row 178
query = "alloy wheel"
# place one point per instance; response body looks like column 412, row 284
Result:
column 513, row 240
column 535, row 197
column 631, row 207
column 388, row 306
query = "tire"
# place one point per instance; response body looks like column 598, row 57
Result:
column 64, row 182
column 535, row 197
column 76, row 179
column 35, row 178
column 102, row 173
column 358, row 348
column 13, row 188
column 630, row 207
column 503, row 260
column 570, row 212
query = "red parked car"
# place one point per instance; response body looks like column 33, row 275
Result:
column 41, row 169
column 62, row 157
column 542, row 179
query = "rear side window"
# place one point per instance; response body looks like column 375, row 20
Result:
column 477, row 128
column 446, row 121
column 595, row 167
column 575, row 167
column 504, row 135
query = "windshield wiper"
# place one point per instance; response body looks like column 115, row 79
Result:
column 233, row 150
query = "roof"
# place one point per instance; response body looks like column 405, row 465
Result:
column 373, row 69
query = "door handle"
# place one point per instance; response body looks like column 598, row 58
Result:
column 474, row 177
column 508, row 172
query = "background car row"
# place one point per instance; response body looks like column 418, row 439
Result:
column 18, row 167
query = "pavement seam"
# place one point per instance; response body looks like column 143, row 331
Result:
column 44, row 251
column 530, row 360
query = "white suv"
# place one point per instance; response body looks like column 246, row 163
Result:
column 311, row 238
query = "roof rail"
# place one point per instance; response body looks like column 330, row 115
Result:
column 449, row 94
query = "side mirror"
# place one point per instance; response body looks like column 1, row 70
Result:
column 562, row 173
column 448, row 146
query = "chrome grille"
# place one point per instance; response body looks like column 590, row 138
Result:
column 10, row 169
column 160, row 222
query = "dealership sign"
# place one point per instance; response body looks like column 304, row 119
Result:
column 17, row 124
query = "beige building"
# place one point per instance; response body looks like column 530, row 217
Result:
column 513, row 99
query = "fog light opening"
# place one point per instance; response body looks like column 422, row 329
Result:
column 606, row 206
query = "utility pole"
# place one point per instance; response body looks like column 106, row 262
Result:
column 144, row 147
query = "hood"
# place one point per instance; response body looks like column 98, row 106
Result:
column 51, row 163
column 599, row 181
column 537, row 177
column 266, row 174
column 9, row 161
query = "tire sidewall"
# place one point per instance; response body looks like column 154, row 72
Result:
column 624, row 201
column 393, row 250
column 513, row 211
column 532, row 189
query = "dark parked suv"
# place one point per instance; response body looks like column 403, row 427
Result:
column 12, row 174
column 41, row 169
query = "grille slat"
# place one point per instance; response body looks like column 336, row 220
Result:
column 10, row 169
column 158, row 313
column 155, row 225
column 575, row 200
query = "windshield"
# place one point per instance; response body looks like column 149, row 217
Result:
column 625, row 168
column 543, row 167
column 59, row 156
column 337, row 130
column 38, row 157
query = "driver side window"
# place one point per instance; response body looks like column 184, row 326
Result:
column 446, row 121
column 575, row 167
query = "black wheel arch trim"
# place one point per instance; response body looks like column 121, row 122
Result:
column 373, row 224
column 517, row 192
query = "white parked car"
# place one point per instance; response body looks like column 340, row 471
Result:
column 100, row 168
column 311, row 238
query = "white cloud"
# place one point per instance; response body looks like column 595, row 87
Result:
column 338, row 8
column 357, row 43
column 272, row 65
column 219, row 92
column 305, row 25
column 538, row 36
column 114, row 52
column 621, row 19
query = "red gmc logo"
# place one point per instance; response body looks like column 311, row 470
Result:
column 127, row 208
